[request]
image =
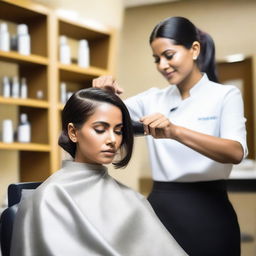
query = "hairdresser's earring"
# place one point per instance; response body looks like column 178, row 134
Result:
column 194, row 57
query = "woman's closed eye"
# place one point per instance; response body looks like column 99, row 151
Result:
column 99, row 130
column 169, row 56
column 119, row 131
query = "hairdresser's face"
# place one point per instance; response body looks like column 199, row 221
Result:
column 100, row 136
column 174, row 62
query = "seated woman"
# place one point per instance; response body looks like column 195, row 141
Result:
column 81, row 210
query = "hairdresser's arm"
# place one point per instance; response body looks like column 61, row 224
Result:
column 107, row 83
column 218, row 149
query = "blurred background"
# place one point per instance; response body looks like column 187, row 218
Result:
column 118, row 34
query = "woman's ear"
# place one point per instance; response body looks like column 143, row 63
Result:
column 195, row 49
column 72, row 132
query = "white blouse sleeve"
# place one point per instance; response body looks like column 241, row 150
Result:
column 137, row 104
column 232, row 122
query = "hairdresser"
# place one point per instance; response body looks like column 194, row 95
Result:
column 196, row 129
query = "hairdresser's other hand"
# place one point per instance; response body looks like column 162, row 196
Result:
column 158, row 126
column 107, row 83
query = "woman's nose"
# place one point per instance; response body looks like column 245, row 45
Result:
column 163, row 63
column 111, row 138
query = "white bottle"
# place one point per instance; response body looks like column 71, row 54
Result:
column 4, row 37
column 23, row 39
column 63, row 92
column 83, row 54
column 15, row 87
column 6, row 87
column 24, row 129
column 64, row 51
column 24, row 88
column 7, row 131
column 39, row 94
column 69, row 94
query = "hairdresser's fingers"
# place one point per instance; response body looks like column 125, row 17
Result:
column 107, row 83
column 147, row 120
column 118, row 89
column 164, row 130
column 157, row 125
column 102, row 81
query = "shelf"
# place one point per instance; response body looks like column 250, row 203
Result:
column 15, row 57
column 32, row 14
column 75, row 73
column 78, row 30
column 99, row 40
column 25, row 146
column 24, row 102
column 18, row 11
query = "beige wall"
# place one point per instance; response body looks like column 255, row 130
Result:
column 108, row 12
column 231, row 24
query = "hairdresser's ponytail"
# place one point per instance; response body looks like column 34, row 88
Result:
column 206, row 60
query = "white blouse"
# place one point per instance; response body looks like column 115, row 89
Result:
column 212, row 109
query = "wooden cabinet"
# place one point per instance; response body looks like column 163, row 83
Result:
column 44, row 73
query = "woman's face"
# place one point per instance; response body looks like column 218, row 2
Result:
column 174, row 62
column 100, row 137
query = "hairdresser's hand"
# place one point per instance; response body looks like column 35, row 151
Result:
column 107, row 83
column 158, row 126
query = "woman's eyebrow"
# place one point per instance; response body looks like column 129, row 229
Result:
column 101, row 123
column 106, row 124
column 164, row 52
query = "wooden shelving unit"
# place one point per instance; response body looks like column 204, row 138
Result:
column 25, row 102
column 41, row 157
column 25, row 147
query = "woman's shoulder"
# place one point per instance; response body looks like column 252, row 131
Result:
column 45, row 190
column 152, row 93
column 222, row 89
column 126, row 189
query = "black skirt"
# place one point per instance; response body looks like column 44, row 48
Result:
column 199, row 216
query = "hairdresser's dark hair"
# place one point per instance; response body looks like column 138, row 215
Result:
column 80, row 106
column 183, row 32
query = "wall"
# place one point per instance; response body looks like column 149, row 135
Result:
column 109, row 12
column 229, row 22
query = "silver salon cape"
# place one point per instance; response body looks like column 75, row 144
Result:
column 81, row 210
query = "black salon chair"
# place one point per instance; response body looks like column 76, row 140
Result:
column 8, row 215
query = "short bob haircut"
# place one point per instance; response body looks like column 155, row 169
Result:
column 81, row 105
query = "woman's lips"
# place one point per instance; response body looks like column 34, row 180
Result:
column 169, row 74
column 109, row 152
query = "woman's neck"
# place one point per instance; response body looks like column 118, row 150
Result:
column 189, row 82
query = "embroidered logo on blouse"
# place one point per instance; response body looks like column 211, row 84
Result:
column 207, row 118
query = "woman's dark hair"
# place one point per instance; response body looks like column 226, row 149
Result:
column 184, row 32
column 81, row 105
